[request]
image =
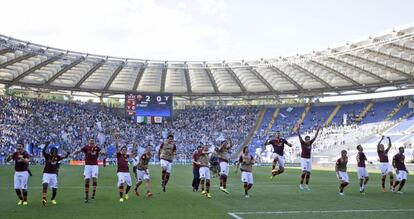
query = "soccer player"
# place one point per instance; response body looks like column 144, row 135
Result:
column 278, row 144
column 143, row 172
column 224, row 157
column 50, row 172
column 124, row 177
column 401, row 170
column 362, row 170
column 385, row 166
column 166, row 155
column 246, row 161
column 203, row 161
column 340, row 168
column 21, row 174
column 91, row 170
column 196, row 168
column 305, row 158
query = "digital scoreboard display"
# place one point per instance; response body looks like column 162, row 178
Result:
column 149, row 104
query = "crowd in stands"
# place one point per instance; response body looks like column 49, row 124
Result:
column 69, row 125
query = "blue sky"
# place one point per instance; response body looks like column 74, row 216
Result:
column 199, row 29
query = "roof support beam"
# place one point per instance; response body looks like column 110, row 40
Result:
column 400, row 47
column 383, row 80
column 63, row 70
column 163, row 78
column 236, row 79
column 36, row 67
column 113, row 76
column 395, row 58
column 187, row 79
column 286, row 77
column 342, row 75
column 263, row 80
column 89, row 73
column 139, row 76
column 406, row 75
column 18, row 59
column 211, row 77
column 320, row 80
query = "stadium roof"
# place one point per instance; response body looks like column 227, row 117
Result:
column 366, row 65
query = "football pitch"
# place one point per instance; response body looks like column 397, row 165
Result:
column 279, row 198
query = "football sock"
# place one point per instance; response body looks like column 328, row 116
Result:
column 87, row 188
column 44, row 191
column 127, row 189
column 307, row 178
column 163, row 176
column 224, row 181
column 302, row 177
column 250, row 186
column 396, row 184
column 208, row 186
column 54, row 191
column 94, row 184
column 221, row 180
column 19, row 194
column 391, row 180
column 202, row 184
column 246, row 188
column 167, row 177
column 121, row 191
column 24, row 194
column 383, row 182
column 401, row 185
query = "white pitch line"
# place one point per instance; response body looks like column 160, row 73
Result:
column 236, row 214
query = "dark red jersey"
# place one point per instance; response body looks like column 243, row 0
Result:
column 278, row 145
column 122, row 160
column 19, row 164
column 91, row 154
column 398, row 161
column 196, row 155
column 52, row 163
column 383, row 156
column 361, row 158
column 306, row 149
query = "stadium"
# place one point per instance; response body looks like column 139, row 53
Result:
column 208, row 127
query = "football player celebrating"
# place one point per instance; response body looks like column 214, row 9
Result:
column 278, row 143
column 362, row 170
column 124, row 177
column 143, row 172
column 203, row 161
column 166, row 155
column 401, row 170
column 91, row 170
column 50, row 172
column 246, row 161
column 305, row 157
column 224, row 157
column 340, row 169
column 385, row 166
column 21, row 174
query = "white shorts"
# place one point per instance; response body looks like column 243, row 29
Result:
column 306, row 164
column 20, row 179
column 247, row 177
column 362, row 172
column 343, row 176
column 143, row 175
column 224, row 168
column 91, row 171
column 385, row 169
column 166, row 165
column 280, row 160
column 204, row 173
column 124, row 178
column 401, row 175
column 50, row 179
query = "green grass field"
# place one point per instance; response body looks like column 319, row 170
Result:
column 279, row 198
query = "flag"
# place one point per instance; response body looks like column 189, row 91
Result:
column 157, row 119
column 141, row 119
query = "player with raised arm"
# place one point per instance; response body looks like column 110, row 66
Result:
column 278, row 143
column 50, row 172
column 143, row 172
column 21, row 174
column 166, row 155
column 340, row 169
column 196, row 168
column 224, row 157
column 385, row 167
column 91, row 170
column 399, row 164
column 305, row 158
column 124, row 177
column 203, row 162
column 362, row 170
column 246, row 161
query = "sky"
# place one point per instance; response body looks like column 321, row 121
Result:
column 199, row 30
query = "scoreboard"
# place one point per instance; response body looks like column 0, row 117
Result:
column 148, row 104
